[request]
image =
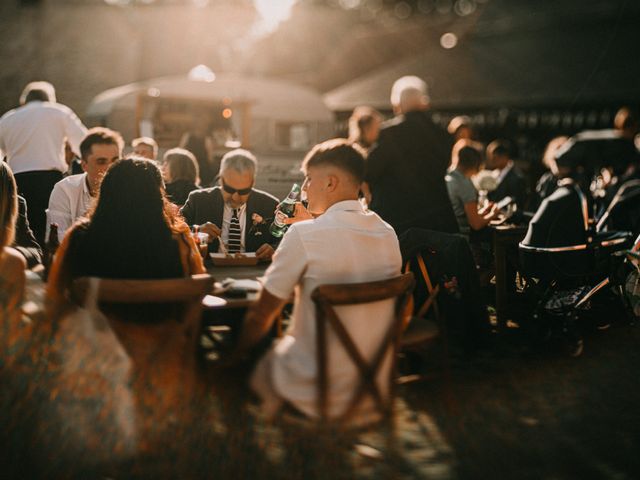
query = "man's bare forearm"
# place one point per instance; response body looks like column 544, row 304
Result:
column 259, row 320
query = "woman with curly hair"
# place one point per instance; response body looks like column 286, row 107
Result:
column 12, row 264
column 132, row 233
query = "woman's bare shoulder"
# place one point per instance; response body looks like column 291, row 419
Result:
column 12, row 281
column 11, row 260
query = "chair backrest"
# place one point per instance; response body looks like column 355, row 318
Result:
column 161, row 351
column 326, row 297
column 561, row 221
column 145, row 291
column 432, row 291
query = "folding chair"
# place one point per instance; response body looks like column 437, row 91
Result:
column 432, row 291
column 422, row 331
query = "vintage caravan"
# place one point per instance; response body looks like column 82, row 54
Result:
column 277, row 120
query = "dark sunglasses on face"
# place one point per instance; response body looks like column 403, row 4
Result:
column 239, row 191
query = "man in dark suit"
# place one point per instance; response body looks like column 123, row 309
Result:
column 511, row 182
column 234, row 212
column 24, row 241
column 406, row 170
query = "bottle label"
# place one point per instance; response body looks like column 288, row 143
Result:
column 280, row 217
column 293, row 196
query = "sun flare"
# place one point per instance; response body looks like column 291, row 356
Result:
column 273, row 12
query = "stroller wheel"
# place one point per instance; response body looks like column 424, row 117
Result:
column 573, row 344
column 574, row 347
column 571, row 341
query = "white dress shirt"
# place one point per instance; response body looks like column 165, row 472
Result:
column 69, row 200
column 32, row 136
column 344, row 245
column 226, row 221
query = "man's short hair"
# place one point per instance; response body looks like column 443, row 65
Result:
column 407, row 88
column 146, row 141
column 42, row 91
column 100, row 136
column 625, row 118
column 467, row 154
column 239, row 160
column 500, row 147
column 361, row 118
column 340, row 153
column 182, row 165
column 457, row 123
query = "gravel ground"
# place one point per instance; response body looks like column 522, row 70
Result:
column 508, row 412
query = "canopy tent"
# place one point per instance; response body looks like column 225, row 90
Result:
column 536, row 67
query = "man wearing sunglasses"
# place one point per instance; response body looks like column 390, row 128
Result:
column 228, row 212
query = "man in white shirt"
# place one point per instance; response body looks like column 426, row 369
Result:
column 72, row 196
column 33, row 138
column 343, row 244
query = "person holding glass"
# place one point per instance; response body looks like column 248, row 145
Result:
column 467, row 162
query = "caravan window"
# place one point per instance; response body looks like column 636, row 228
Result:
column 292, row 135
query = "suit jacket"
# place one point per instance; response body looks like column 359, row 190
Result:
column 406, row 171
column 512, row 185
column 178, row 191
column 207, row 205
column 25, row 242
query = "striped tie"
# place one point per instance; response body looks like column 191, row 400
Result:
column 233, row 245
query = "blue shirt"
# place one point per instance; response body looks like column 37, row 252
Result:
column 461, row 191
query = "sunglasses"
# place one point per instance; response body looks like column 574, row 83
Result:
column 239, row 191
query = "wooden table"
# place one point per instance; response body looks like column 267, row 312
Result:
column 222, row 316
column 219, row 311
column 35, row 287
column 220, row 274
column 242, row 272
column 505, row 240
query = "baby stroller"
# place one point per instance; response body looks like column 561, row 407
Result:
column 566, row 265
column 623, row 213
column 632, row 279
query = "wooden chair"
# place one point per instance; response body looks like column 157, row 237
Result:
column 190, row 289
column 330, row 440
column 326, row 297
column 163, row 353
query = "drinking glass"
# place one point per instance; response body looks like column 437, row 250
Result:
column 202, row 240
